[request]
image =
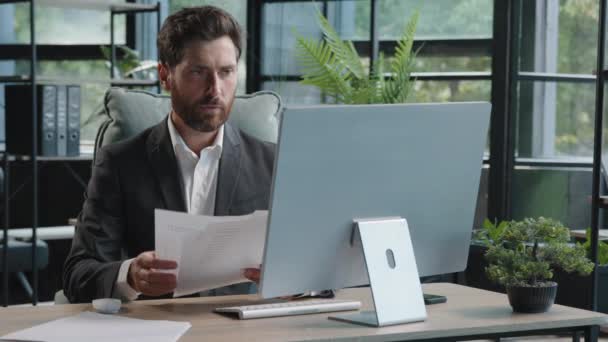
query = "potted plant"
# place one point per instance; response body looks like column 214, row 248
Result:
column 334, row 66
column 523, row 258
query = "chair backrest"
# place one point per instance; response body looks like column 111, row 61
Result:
column 127, row 112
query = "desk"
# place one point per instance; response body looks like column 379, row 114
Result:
column 469, row 313
column 43, row 233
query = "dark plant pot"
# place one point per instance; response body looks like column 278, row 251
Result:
column 532, row 299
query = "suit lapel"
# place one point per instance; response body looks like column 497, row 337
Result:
column 162, row 157
column 229, row 171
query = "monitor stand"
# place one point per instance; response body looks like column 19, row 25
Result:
column 392, row 272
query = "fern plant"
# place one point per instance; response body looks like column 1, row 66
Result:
column 334, row 66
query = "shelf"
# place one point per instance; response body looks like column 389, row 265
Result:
column 603, row 203
column 15, row 79
column 66, row 80
column 25, row 158
column 42, row 233
column 96, row 5
column 132, row 82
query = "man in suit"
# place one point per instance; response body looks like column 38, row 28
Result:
column 194, row 161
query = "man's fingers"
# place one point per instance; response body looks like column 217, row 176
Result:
column 149, row 260
column 155, row 277
column 154, row 290
column 156, row 283
column 252, row 274
column 142, row 274
column 162, row 264
column 167, row 279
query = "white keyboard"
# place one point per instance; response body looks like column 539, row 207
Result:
column 290, row 308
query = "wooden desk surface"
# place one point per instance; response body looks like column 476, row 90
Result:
column 468, row 311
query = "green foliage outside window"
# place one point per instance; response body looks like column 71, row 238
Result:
column 602, row 248
column 334, row 66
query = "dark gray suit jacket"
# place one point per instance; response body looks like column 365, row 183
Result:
column 132, row 178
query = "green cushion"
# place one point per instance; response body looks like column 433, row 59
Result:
column 128, row 112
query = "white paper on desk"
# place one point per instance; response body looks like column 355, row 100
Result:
column 210, row 251
column 94, row 327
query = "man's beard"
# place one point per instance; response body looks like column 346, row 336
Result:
column 195, row 117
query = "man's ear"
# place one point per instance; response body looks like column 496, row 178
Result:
column 164, row 74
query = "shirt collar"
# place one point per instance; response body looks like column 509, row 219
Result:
column 178, row 142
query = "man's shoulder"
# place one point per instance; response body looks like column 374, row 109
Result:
column 250, row 142
column 132, row 148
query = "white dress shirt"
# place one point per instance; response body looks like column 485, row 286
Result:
column 199, row 184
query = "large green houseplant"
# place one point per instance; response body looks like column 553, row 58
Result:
column 523, row 257
column 334, row 66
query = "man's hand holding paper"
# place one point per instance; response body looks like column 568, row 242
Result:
column 210, row 251
column 147, row 277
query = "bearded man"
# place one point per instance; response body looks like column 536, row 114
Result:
column 193, row 161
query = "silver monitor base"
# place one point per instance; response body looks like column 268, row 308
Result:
column 392, row 271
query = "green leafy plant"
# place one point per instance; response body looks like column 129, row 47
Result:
column 334, row 66
column 490, row 232
column 525, row 253
column 602, row 248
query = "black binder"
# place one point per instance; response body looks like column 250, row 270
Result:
column 62, row 120
column 73, row 147
column 18, row 102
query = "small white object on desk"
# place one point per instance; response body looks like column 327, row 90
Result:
column 107, row 305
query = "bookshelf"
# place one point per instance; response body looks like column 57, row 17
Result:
column 32, row 79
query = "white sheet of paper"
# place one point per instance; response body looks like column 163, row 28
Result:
column 210, row 251
column 94, row 327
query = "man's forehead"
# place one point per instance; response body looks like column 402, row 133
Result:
column 223, row 41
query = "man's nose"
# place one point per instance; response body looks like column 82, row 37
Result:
column 213, row 85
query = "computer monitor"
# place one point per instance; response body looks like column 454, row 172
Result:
column 337, row 163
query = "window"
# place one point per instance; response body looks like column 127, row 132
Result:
column 555, row 45
column 65, row 26
column 450, row 43
column 556, row 88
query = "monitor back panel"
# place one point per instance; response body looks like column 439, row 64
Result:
column 337, row 163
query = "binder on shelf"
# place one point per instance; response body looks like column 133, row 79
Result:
column 73, row 139
column 19, row 121
column 48, row 138
column 62, row 121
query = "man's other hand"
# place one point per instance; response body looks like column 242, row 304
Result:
column 146, row 277
column 252, row 274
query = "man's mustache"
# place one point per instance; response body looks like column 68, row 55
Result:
column 211, row 101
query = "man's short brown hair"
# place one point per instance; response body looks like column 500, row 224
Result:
column 205, row 23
